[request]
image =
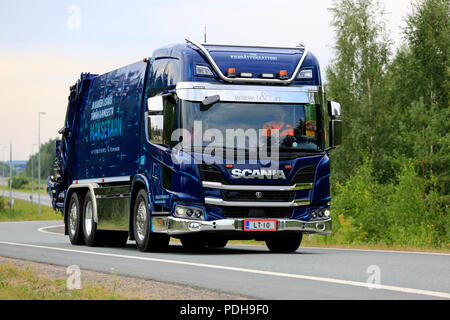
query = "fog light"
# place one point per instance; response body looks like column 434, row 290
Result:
column 180, row 211
column 198, row 214
column 194, row 226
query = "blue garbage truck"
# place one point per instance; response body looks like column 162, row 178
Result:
column 205, row 143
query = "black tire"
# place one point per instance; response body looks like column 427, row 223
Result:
column 145, row 239
column 284, row 243
column 92, row 236
column 194, row 243
column 74, row 220
column 216, row 243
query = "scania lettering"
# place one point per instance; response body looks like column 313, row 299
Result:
column 141, row 155
column 260, row 174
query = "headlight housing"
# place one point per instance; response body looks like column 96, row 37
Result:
column 188, row 212
column 319, row 214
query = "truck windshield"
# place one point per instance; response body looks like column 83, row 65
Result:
column 300, row 126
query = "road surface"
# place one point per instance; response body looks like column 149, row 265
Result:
column 45, row 199
column 251, row 271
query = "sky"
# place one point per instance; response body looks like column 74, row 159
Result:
column 46, row 44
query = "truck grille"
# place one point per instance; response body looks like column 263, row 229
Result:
column 263, row 196
column 305, row 175
column 264, row 212
column 210, row 173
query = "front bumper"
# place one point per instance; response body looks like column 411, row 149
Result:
column 176, row 226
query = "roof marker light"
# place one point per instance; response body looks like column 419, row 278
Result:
column 283, row 75
column 246, row 75
column 231, row 73
column 266, row 75
column 305, row 74
column 203, row 70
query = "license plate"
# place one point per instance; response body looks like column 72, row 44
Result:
column 260, row 225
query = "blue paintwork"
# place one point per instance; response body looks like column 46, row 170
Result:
column 105, row 124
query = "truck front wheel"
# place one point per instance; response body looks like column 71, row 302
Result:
column 145, row 239
column 284, row 243
column 74, row 220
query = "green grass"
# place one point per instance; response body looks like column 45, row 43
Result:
column 26, row 188
column 22, row 283
column 25, row 211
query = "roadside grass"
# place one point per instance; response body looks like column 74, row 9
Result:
column 317, row 241
column 25, row 211
column 26, row 188
column 22, row 283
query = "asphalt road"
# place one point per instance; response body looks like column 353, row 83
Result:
column 250, row 271
column 45, row 199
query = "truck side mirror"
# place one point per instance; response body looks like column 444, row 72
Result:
column 335, row 133
column 155, row 105
column 334, row 111
column 155, row 119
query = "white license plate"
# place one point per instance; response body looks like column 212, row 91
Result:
column 260, row 225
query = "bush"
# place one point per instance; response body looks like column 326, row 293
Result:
column 3, row 204
column 19, row 182
column 365, row 211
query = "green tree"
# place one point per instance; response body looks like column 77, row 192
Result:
column 417, row 92
column 428, row 36
column 355, row 78
column 47, row 160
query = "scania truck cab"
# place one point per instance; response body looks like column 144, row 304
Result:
column 201, row 142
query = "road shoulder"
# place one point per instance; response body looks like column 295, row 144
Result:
column 132, row 288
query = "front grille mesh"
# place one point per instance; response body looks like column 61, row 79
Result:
column 305, row 175
column 263, row 212
column 210, row 173
column 252, row 196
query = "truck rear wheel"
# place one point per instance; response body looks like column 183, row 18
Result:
column 74, row 220
column 92, row 236
column 284, row 243
column 145, row 239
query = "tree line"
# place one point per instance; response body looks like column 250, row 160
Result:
column 391, row 176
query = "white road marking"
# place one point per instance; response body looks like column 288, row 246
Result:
column 341, row 249
column 253, row 271
column 378, row 250
column 44, row 230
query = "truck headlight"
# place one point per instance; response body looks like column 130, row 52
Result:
column 320, row 214
column 187, row 212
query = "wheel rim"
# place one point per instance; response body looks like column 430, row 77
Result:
column 141, row 220
column 73, row 218
column 88, row 218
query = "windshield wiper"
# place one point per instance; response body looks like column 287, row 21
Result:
column 299, row 150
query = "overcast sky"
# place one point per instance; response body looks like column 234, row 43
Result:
column 45, row 45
